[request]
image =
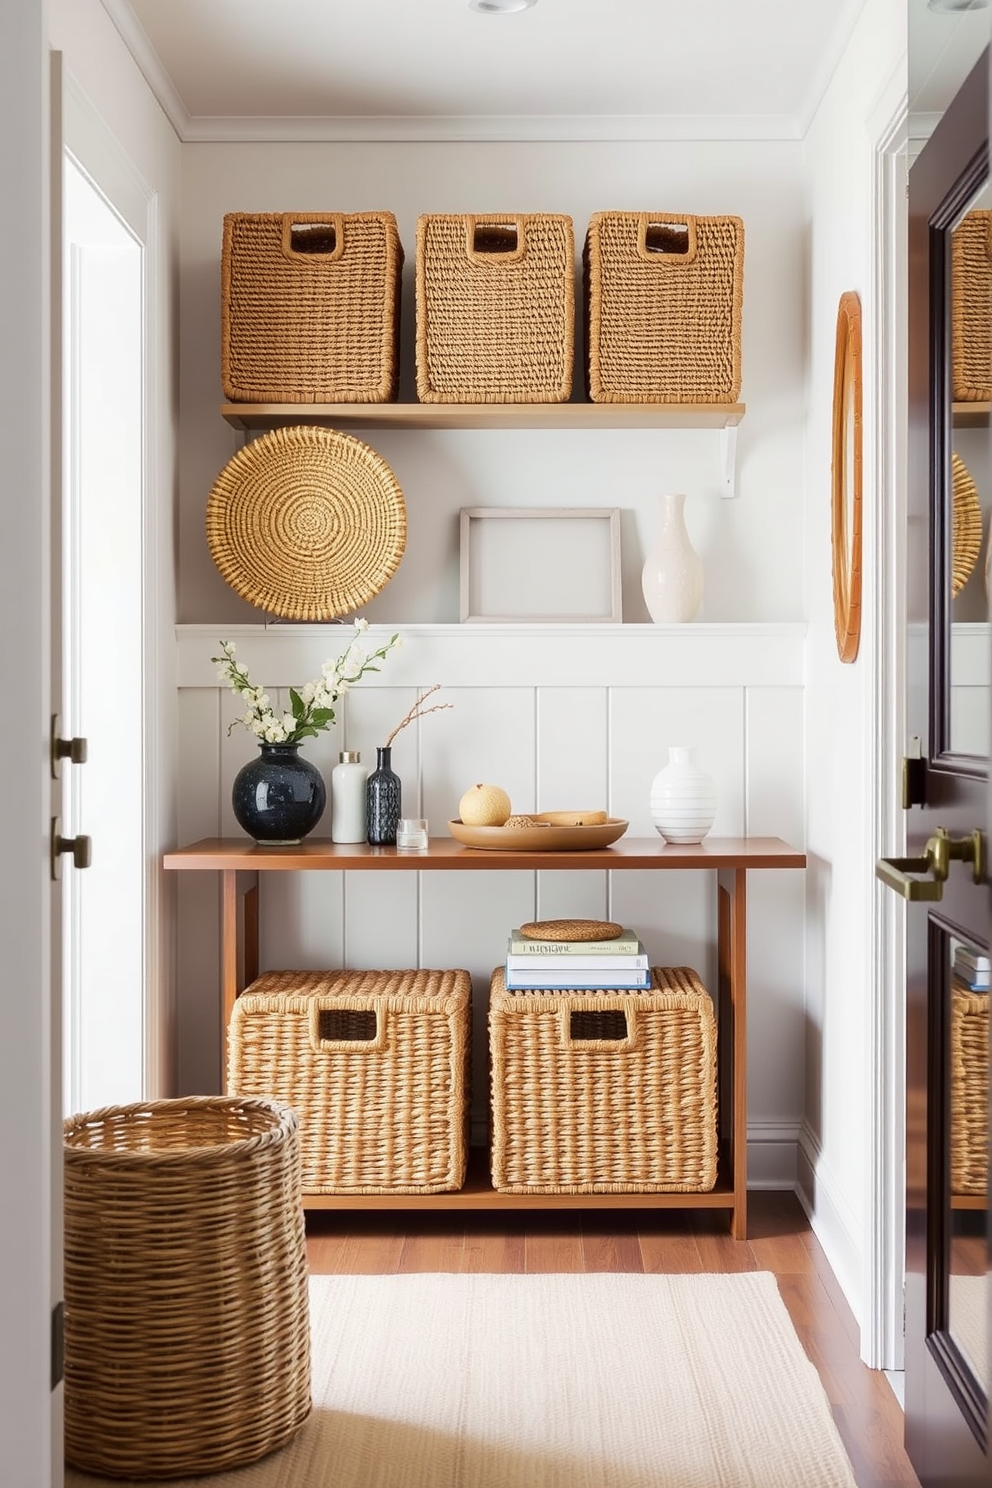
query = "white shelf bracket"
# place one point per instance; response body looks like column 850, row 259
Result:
column 728, row 460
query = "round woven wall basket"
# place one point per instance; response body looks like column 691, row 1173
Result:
column 306, row 523
column 966, row 524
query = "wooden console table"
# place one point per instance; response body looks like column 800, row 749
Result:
column 240, row 862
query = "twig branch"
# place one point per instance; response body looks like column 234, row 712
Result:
column 419, row 711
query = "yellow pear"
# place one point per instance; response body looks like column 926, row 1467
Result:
column 484, row 806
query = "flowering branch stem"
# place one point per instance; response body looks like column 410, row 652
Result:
column 419, row 711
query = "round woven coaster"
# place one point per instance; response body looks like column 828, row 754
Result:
column 966, row 524
column 306, row 523
column 571, row 930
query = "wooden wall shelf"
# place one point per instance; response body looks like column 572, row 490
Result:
column 253, row 416
column 242, row 866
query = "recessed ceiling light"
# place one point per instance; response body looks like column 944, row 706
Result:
column 499, row 7
column 957, row 4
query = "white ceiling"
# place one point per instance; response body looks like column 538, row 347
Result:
column 230, row 69
column 566, row 69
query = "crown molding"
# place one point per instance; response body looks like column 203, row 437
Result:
column 149, row 64
column 493, row 128
column 829, row 61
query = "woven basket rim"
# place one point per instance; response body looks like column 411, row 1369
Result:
column 260, row 518
column 284, row 1123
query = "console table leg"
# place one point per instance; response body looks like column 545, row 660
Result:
column 732, row 958
column 238, row 946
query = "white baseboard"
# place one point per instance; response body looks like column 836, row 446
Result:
column 831, row 1219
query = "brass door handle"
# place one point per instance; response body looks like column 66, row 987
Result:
column 935, row 861
column 81, row 849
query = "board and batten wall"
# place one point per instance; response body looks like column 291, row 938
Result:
column 562, row 717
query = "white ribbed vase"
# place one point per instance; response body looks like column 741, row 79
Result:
column 683, row 798
column 672, row 576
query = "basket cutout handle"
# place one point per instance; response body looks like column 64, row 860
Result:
column 490, row 240
column 346, row 1029
column 598, row 1029
column 668, row 242
column 313, row 237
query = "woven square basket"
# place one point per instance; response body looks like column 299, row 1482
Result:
column 969, row 1090
column 376, row 1065
column 604, row 1092
column 495, row 308
column 310, row 307
column 663, row 300
column 971, row 308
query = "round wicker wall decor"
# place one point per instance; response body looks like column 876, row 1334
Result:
column 306, row 523
column 966, row 524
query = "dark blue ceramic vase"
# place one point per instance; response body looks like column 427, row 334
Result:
column 279, row 797
column 383, row 799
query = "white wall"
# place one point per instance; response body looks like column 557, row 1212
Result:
column 842, row 732
column 121, row 137
column 750, row 548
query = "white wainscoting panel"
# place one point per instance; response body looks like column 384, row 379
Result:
column 560, row 716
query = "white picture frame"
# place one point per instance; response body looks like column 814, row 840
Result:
column 539, row 564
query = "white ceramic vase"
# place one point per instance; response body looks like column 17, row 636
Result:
column 683, row 798
column 672, row 576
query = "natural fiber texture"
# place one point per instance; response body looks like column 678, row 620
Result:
column 571, row 930
column 376, row 1065
column 556, row 1381
column 305, row 326
column 306, row 523
column 971, row 308
column 187, row 1344
column 604, row 1092
column 495, row 326
column 969, row 1091
column 966, row 524
column 663, row 303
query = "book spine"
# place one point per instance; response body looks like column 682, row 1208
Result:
column 629, row 946
column 578, row 984
column 577, row 963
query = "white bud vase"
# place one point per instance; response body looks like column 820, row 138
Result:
column 683, row 798
column 672, row 577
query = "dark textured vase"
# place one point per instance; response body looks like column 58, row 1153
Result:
column 383, row 800
column 279, row 797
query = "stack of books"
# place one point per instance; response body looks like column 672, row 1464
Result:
column 620, row 964
column 973, row 968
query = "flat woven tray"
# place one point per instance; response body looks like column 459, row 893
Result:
column 571, row 930
column 306, row 523
column 966, row 524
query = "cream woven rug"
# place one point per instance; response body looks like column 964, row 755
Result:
column 563, row 1381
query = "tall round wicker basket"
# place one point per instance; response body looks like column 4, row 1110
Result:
column 187, row 1333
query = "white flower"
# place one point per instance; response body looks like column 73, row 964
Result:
column 274, row 733
column 307, row 692
column 361, row 623
column 257, row 727
column 288, row 723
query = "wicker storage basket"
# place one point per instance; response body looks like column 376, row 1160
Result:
column 969, row 1090
column 971, row 308
column 495, row 308
column 187, row 1335
column 310, row 307
column 604, row 1092
column 663, row 300
column 376, row 1065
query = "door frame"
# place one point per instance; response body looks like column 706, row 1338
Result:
column 883, row 1260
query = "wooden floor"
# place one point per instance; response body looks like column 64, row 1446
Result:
column 867, row 1413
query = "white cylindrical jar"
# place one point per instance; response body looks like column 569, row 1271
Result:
column 683, row 798
column 348, row 798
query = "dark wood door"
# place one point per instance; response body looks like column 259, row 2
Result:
column 950, row 713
